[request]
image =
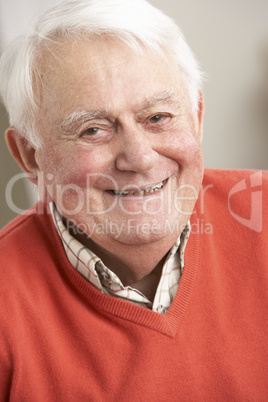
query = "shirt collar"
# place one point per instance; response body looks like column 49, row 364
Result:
column 93, row 269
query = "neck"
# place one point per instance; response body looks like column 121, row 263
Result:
column 139, row 266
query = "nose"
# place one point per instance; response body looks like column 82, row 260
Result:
column 136, row 152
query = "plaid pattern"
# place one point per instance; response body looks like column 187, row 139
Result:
column 106, row 281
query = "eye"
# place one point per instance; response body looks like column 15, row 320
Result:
column 157, row 118
column 97, row 134
column 158, row 122
column 91, row 131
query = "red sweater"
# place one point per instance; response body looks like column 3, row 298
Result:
column 62, row 340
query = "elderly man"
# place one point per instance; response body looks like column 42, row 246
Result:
column 118, row 285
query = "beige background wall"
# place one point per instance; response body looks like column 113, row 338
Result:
column 230, row 39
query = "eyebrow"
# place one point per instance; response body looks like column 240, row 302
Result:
column 167, row 96
column 79, row 117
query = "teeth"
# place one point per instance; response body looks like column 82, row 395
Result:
column 142, row 192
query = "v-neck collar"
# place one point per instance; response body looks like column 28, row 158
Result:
column 166, row 324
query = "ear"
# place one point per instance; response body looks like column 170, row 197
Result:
column 23, row 152
column 200, row 114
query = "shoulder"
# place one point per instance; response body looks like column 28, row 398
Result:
column 22, row 240
column 235, row 202
column 226, row 178
column 16, row 225
column 236, row 187
column 23, row 225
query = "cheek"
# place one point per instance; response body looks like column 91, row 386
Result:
column 183, row 147
column 78, row 166
column 90, row 166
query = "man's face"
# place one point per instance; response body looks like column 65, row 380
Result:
column 122, row 154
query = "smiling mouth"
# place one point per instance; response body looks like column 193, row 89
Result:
column 146, row 191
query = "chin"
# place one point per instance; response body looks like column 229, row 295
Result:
column 139, row 239
column 145, row 232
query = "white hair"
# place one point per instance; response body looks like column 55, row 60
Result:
column 135, row 22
